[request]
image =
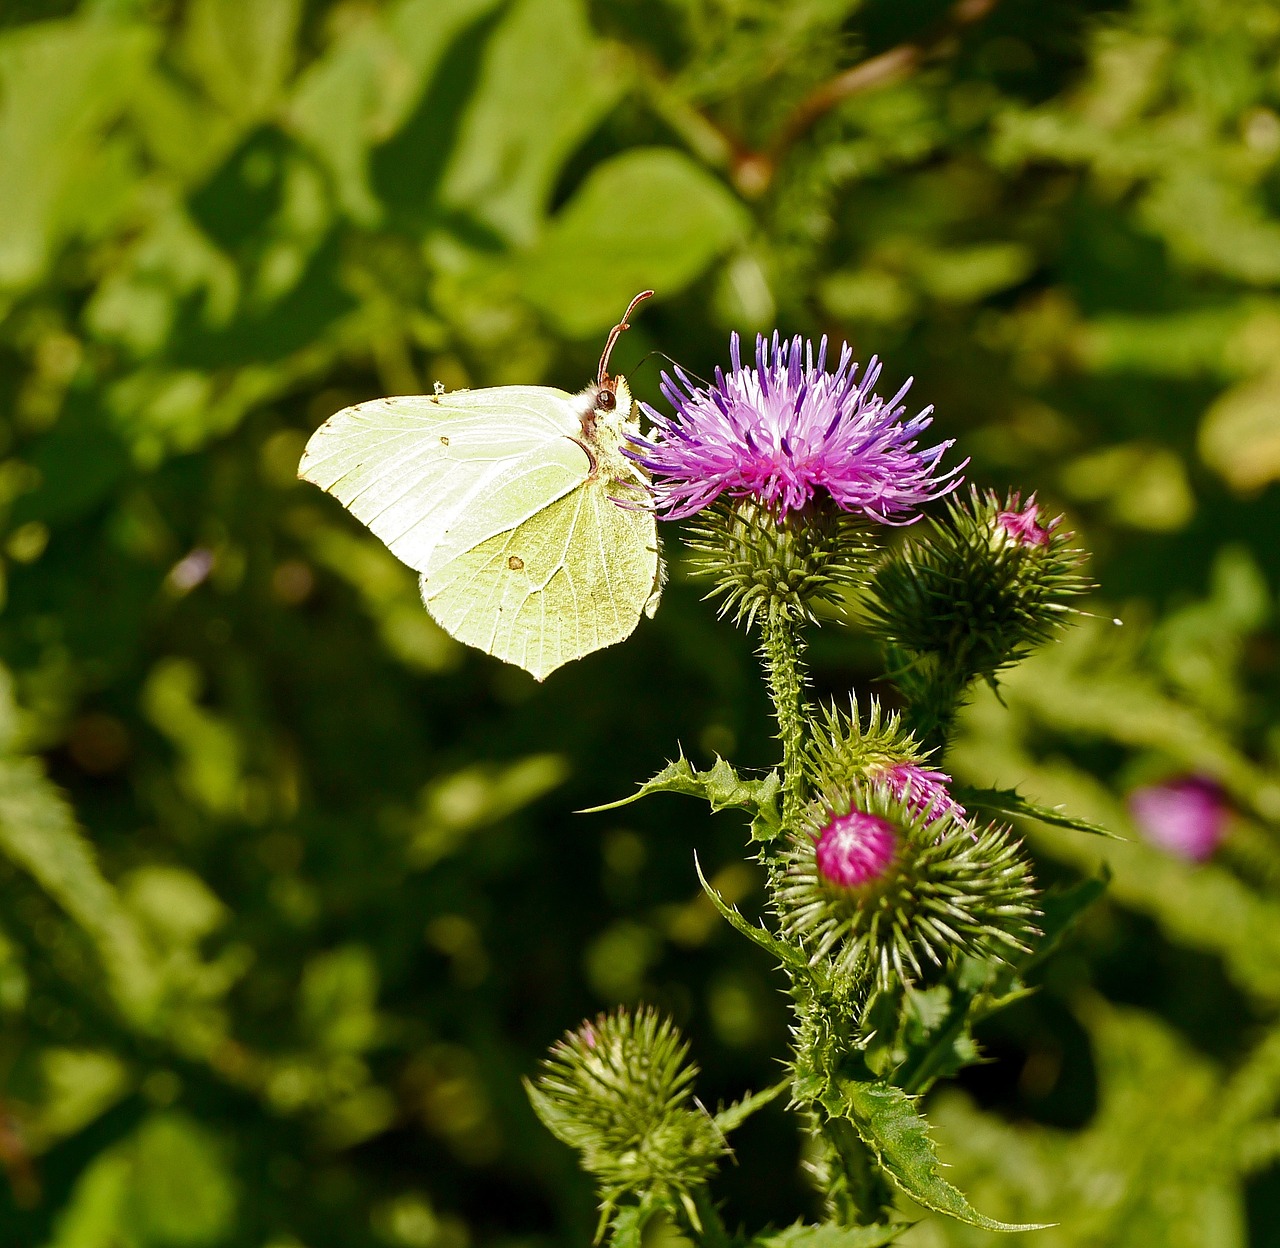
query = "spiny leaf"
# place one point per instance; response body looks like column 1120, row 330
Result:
column 886, row 1119
column 829, row 1235
column 783, row 952
column 627, row 1227
column 735, row 1115
column 1011, row 802
column 721, row 787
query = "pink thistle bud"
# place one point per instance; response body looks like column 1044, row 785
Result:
column 855, row 849
column 1187, row 817
column 923, row 791
column 1024, row 526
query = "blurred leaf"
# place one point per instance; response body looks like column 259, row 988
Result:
column 208, row 746
column 181, row 1194
column 38, row 832
column 617, row 236
column 339, row 996
column 1240, row 433
column 241, row 51
column 361, row 90
column 544, row 83
column 451, row 807
column 62, row 84
column 829, row 1235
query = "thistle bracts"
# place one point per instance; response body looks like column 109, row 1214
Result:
column 945, row 890
column 759, row 562
column 980, row 588
column 619, row 1089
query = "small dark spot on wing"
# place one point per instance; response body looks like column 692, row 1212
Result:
column 443, row 440
column 515, row 563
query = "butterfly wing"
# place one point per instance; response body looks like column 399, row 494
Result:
column 486, row 493
column 572, row 578
column 442, row 473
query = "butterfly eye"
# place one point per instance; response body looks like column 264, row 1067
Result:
column 606, row 400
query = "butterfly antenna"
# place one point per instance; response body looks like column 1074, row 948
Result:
column 602, row 377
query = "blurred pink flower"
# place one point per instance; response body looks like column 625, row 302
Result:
column 1187, row 817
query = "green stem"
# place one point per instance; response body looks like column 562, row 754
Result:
column 781, row 649
column 861, row 1196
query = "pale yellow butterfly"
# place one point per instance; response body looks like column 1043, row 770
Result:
column 533, row 533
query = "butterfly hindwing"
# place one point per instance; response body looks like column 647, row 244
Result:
column 571, row 579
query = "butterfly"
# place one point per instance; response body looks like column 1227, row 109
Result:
column 532, row 532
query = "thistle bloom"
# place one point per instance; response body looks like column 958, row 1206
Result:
column 854, row 849
column 787, row 431
column 1023, row 525
column 1187, row 817
column 923, row 791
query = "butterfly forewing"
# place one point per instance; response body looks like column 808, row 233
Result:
column 431, row 471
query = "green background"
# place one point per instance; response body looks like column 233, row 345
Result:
column 291, row 890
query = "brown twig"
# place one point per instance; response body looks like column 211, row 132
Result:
column 753, row 171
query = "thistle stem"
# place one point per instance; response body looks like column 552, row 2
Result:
column 863, row 1196
column 780, row 649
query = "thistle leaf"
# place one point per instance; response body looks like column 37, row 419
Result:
column 733, row 1116
column 829, row 1235
column 721, row 787
column 1006, row 802
column 889, row 1124
column 785, row 953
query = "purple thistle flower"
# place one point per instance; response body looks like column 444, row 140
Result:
column 1024, row 526
column 923, row 791
column 1187, row 817
column 855, row 849
column 786, row 430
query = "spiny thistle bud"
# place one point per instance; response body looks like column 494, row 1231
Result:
column 842, row 750
column 883, row 890
column 620, row 1090
column 979, row 589
column 760, row 561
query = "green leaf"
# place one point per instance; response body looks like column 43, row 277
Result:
column 1009, row 802
column 721, row 787
column 62, row 85
column 38, row 832
column 618, row 235
column 241, row 54
column 545, row 83
column 829, row 1235
column 627, row 1228
column 733, row 1116
column 783, row 952
column 886, row 1119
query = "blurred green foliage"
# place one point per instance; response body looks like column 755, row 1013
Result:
column 291, row 894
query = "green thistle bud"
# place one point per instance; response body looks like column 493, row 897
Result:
column 883, row 889
column 620, row 1090
column 978, row 590
column 840, row 747
column 761, row 562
